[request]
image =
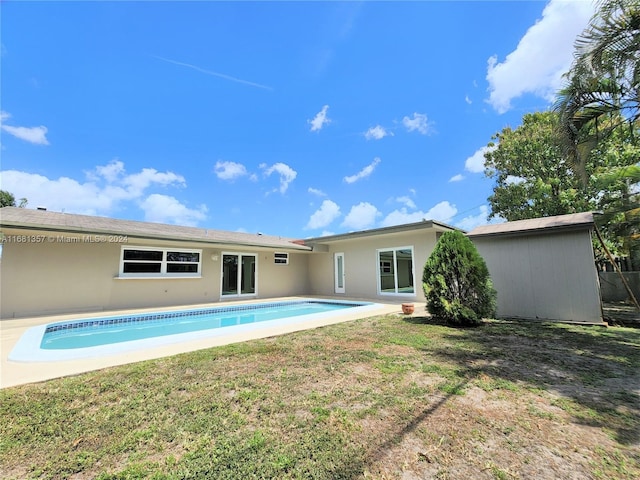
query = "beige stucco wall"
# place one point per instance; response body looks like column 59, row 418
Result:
column 360, row 263
column 58, row 277
column 548, row 277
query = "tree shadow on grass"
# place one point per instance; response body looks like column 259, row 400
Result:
column 595, row 367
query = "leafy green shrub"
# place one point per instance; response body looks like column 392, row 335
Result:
column 456, row 282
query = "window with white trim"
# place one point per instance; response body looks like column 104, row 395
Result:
column 281, row 258
column 160, row 262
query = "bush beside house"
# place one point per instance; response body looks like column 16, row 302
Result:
column 456, row 282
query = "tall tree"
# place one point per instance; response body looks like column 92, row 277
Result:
column 533, row 177
column 8, row 200
column 601, row 102
column 615, row 182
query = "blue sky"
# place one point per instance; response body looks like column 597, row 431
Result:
column 297, row 119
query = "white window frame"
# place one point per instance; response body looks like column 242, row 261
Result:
column 281, row 256
column 382, row 269
column 239, row 281
column 339, row 277
column 163, row 263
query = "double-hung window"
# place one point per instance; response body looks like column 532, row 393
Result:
column 160, row 262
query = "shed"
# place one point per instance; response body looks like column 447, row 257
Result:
column 543, row 268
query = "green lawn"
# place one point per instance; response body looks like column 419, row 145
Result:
column 379, row 398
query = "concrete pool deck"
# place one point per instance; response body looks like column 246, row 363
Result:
column 14, row 373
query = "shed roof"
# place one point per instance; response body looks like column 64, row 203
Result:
column 42, row 220
column 573, row 221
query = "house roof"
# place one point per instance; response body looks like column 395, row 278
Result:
column 573, row 221
column 42, row 220
column 424, row 224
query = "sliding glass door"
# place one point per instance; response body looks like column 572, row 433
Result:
column 238, row 274
column 395, row 271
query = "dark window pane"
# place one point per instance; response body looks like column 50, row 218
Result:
column 149, row 255
column 182, row 268
column 183, row 257
column 248, row 280
column 230, row 275
column 141, row 267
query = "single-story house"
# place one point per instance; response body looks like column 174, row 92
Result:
column 543, row 268
column 61, row 263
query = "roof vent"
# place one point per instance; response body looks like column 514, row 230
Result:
column 44, row 209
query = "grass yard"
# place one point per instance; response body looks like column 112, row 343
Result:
column 384, row 397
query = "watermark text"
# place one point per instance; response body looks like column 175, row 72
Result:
column 4, row 239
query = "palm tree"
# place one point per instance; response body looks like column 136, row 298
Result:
column 603, row 91
column 602, row 97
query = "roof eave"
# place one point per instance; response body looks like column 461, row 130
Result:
column 175, row 238
column 405, row 227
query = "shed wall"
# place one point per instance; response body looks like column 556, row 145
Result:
column 547, row 277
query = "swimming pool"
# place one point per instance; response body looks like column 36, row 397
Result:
column 91, row 337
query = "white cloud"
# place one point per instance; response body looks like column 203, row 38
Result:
column 377, row 133
column 407, row 201
column 442, row 211
column 542, row 56
column 467, row 99
column 419, row 122
column 229, row 170
column 456, row 178
column 475, row 163
column 326, row 214
column 287, row 174
column 365, row 172
column 402, row 216
column 315, row 191
column 137, row 183
column 111, row 171
column 320, row 120
column 473, row 221
column 62, row 194
column 35, row 135
column 103, row 191
column 167, row 209
column 126, row 187
column 361, row 216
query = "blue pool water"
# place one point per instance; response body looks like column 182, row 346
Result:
column 115, row 335
column 106, row 331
